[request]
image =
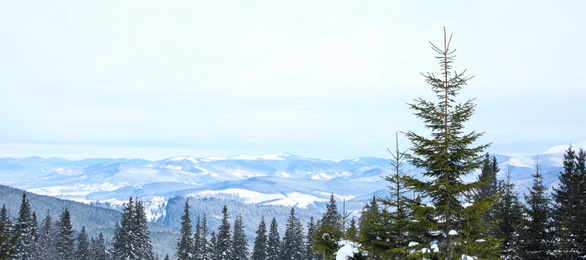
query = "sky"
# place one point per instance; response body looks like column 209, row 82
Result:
column 325, row 79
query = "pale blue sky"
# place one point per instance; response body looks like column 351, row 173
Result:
column 327, row 79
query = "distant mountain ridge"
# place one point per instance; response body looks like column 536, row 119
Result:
column 274, row 179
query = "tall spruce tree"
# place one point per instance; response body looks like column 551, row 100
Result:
column 274, row 243
column 329, row 233
column 197, row 237
column 508, row 213
column 372, row 230
column 82, row 251
column 536, row 234
column 309, row 253
column 395, row 215
column 46, row 247
column 206, row 246
column 224, row 239
column 213, row 245
column 8, row 236
column 131, row 236
column 25, row 230
column 99, row 250
column 293, row 246
column 445, row 158
column 570, row 208
column 185, row 244
column 65, row 241
column 489, row 189
column 239, row 243
column 259, row 250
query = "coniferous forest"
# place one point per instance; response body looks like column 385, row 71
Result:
column 433, row 216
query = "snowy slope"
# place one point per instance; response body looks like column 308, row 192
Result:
column 277, row 179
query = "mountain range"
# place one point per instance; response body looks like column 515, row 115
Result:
column 276, row 179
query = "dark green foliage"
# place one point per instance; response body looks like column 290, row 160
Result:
column 570, row 206
column 274, row 243
column 213, row 244
column 8, row 236
column 329, row 232
column 25, row 228
column 83, row 246
column 536, row 234
column 65, row 241
column 488, row 191
column 185, row 244
column 131, row 237
column 98, row 249
column 224, row 240
column 309, row 252
column 372, row 229
column 508, row 212
column 445, row 157
column 239, row 243
column 259, row 251
column 293, row 246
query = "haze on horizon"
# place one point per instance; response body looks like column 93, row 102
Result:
column 156, row 79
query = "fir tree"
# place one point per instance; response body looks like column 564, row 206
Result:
column 259, row 251
column 83, row 247
column 213, row 245
column 274, row 244
column 508, row 212
column 372, row 229
column 293, row 246
column 224, row 240
column 197, row 243
column 206, row 246
column 329, row 233
column 239, row 243
column 309, row 253
column 65, row 241
column 536, row 235
column 489, row 189
column 25, row 230
column 445, row 158
column 131, row 236
column 570, row 207
column 8, row 236
column 185, row 250
column 143, row 241
column 46, row 248
column 99, row 250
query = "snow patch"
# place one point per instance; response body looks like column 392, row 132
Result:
column 347, row 249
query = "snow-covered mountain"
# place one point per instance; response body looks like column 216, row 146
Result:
column 277, row 179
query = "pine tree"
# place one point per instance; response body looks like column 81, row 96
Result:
column 274, row 244
column 239, row 243
column 131, row 236
column 83, row 247
column 395, row 215
column 167, row 257
column 224, row 240
column 8, row 236
column 185, row 250
column 197, row 240
column 259, row 251
column 329, row 233
column 25, row 228
column 98, row 249
column 445, row 158
column 65, row 241
column 489, row 189
column 143, row 240
column 570, row 207
column 536, row 234
column 372, row 229
column 309, row 253
column 206, row 246
column 508, row 212
column 213, row 245
column 46, row 248
column 293, row 246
